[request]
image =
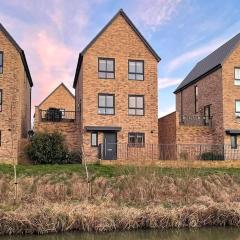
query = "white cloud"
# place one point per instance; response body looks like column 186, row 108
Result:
column 164, row 112
column 195, row 54
column 153, row 13
column 168, row 82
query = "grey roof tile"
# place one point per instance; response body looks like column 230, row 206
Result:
column 209, row 63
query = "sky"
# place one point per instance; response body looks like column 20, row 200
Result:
column 53, row 32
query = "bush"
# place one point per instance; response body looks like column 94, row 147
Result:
column 74, row 157
column 47, row 148
column 212, row 156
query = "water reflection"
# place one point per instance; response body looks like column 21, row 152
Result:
column 183, row 234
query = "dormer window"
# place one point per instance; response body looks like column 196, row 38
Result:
column 237, row 76
column 106, row 68
column 1, row 62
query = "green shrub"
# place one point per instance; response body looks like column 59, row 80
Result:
column 47, row 148
column 212, row 156
column 74, row 157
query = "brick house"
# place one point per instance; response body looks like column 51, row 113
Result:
column 15, row 98
column 208, row 101
column 57, row 113
column 116, row 90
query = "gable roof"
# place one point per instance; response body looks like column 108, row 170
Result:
column 21, row 52
column 61, row 85
column 210, row 63
column 134, row 28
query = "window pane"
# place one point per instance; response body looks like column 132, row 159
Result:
column 102, row 75
column 237, row 73
column 234, row 142
column 238, row 106
column 131, row 111
column 132, row 102
column 139, row 67
column 110, row 65
column 131, row 67
column 101, row 110
column 140, row 138
column 1, row 59
column 132, row 76
column 131, row 138
column 139, row 77
column 1, row 69
column 102, row 101
column 109, row 75
column 139, row 102
column 237, row 82
column 109, row 101
column 109, row 111
column 102, row 65
column 139, row 112
column 94, row 139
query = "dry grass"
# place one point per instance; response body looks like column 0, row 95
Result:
column 141, row 199
column 177, row 163
column 102, row 218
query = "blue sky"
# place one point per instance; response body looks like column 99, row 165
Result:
column 53, row 32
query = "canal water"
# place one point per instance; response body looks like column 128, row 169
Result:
column 183, row 234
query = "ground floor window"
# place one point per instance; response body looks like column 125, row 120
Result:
column 94, row 139
column 234, row 141
column 136, row 139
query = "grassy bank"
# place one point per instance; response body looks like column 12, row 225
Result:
column 116, row 170
column 56, row 198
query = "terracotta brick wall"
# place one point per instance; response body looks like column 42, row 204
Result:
column 210, row 92
column 15, row 115
column 119, row 41
column 59, row 98
column 68, row 129
column 230, row 92
column 167, row 129
column 171, row 132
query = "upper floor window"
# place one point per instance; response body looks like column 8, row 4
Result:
column 135, row 70
column 136, row 105
column 1, row 100
column 237, row 108
column 196, row 98
column 237, row 76
column 106, row 104
column 136, row 139
column 1, row 62
column 106, row 68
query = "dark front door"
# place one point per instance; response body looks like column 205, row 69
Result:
column 110, row 146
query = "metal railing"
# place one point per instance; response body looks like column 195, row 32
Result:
column 57, row 116
column 195, row 120
column 125, row 151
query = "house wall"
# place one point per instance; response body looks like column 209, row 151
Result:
column 171, row 132
column 15, row 115
column 167, row 129
column 230, row 93
column 68, row 129
column 118, row 41
column 210, row 93
column 59, row 98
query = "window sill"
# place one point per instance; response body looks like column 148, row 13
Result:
column 136, row 80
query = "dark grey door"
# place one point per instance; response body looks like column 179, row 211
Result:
column 110, row 146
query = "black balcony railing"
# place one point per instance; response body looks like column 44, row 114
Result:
column 57, row 115
column 195, row 120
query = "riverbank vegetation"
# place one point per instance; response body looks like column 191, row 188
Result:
column 56, row 198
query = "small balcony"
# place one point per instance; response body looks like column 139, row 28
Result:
column 195, row 120
column 57, row 115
